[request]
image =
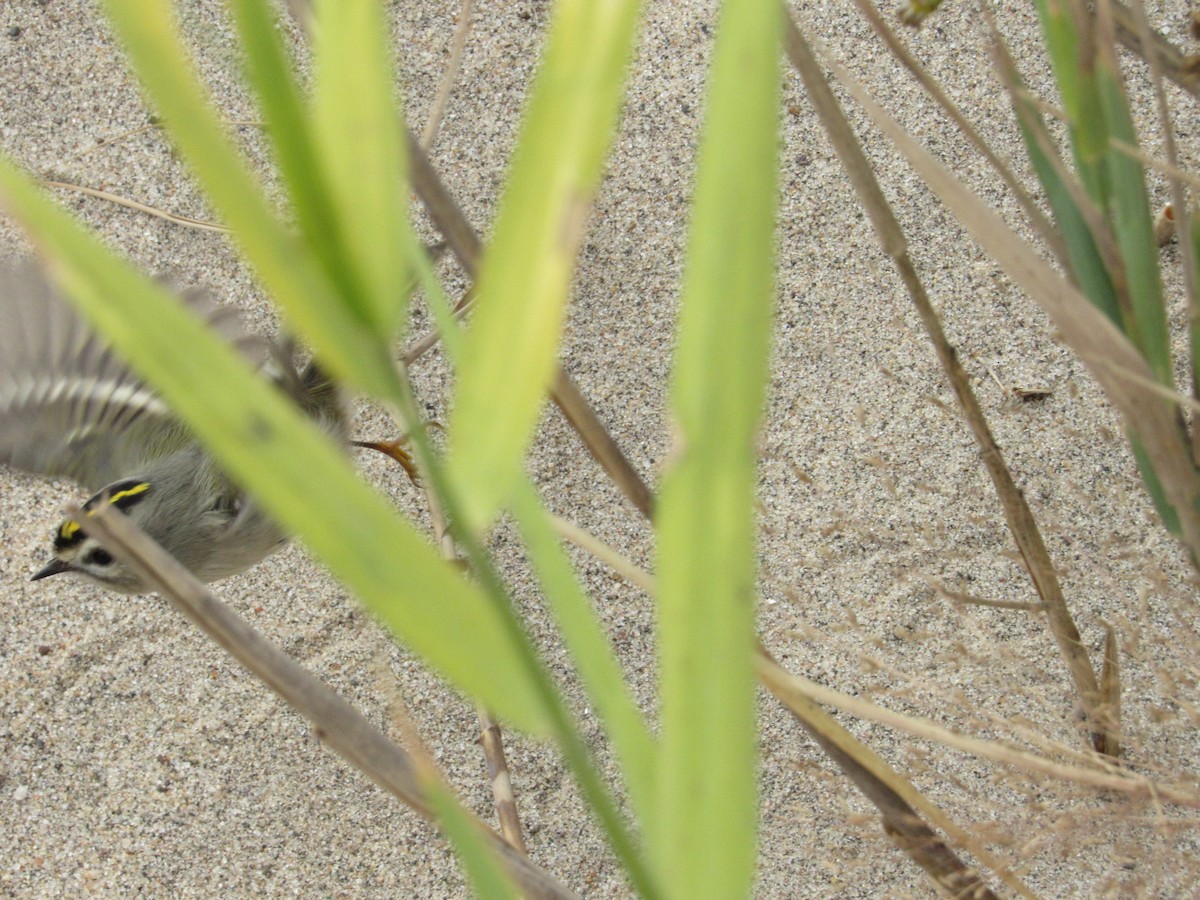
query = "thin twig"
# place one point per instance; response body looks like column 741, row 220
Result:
column 1039, row 221
column 1110, row 690
column 588, row 542
column 423, row 345
column 895, row 797
column 960, row 597
column 1109, row 777
column 449, row 75
column 344, row 729
column 466, row 246
column 504, row 799
column 1134, row 38
column 105, row 143
column 187, row 221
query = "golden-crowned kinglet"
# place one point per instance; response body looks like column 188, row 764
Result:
column 69, row 406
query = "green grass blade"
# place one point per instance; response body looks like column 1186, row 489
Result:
column 589, row 647
column 360, row 140
column 1087, row 266
column 312, row 302
column 512, row 344
column 1190, row 243
column 704, row 842
column 1134, row 226
column 284, row 113
column 585, row 640
column 1071, row 55
column 1168, row 513
column 298, row 474
column 488, row 878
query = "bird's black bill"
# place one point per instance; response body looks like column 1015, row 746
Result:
column 54, row 567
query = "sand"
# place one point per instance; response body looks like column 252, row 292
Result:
column 136, row 758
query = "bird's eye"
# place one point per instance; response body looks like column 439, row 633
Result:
column 98, row 557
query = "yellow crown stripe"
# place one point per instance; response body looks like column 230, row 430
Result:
column 129, row 492
column 70, row 527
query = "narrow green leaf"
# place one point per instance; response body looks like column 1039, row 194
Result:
column 585, row 639
column 488, row 877
column 1068, row 40
column 358, row 134
column 1190, row 243
column 299, row 475
column 590, row 649
column 1087, row 266
column 703, row 844
column 513, row 340
column 284, row 112
column 1167, row 512
column 311, row 301
column 1133, row 225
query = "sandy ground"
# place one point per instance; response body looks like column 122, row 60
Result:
column 135, row 758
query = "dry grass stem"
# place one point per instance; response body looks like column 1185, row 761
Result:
column 1039, row 221
column 1087, row 330
column 423, row 345
column 1110, row 691
column 1108, row 777
column 504, row 799
column 187, row 221
column 895, row 797
column 105, row 143
column 589, row 543
column 960, row 597
column 1019, row 517
column 466, row 246
column 1136, row 38
column 449, row 75
column 1167, row 168
column 338, row 724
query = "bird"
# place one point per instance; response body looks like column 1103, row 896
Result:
column 70, row 406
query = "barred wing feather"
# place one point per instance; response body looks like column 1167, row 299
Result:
column 68, row 404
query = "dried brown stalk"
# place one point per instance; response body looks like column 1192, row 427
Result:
column 449, row 75
column 892, row 794
column 1016, row 511
column 504, row 800
column 1039, row 221
column 344, row 729
column 187, row 221
column 466, row 246
column 1110, row 690
column 1136, row 37
column 1107, row 352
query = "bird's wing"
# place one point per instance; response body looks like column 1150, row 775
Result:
column 68, row 404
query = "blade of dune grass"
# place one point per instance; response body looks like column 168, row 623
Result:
column 360, row 143
column 526, row 271
column 1089, row 81
column 705, row 516
column 347, row 343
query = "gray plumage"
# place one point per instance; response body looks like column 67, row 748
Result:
column 69, row 406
